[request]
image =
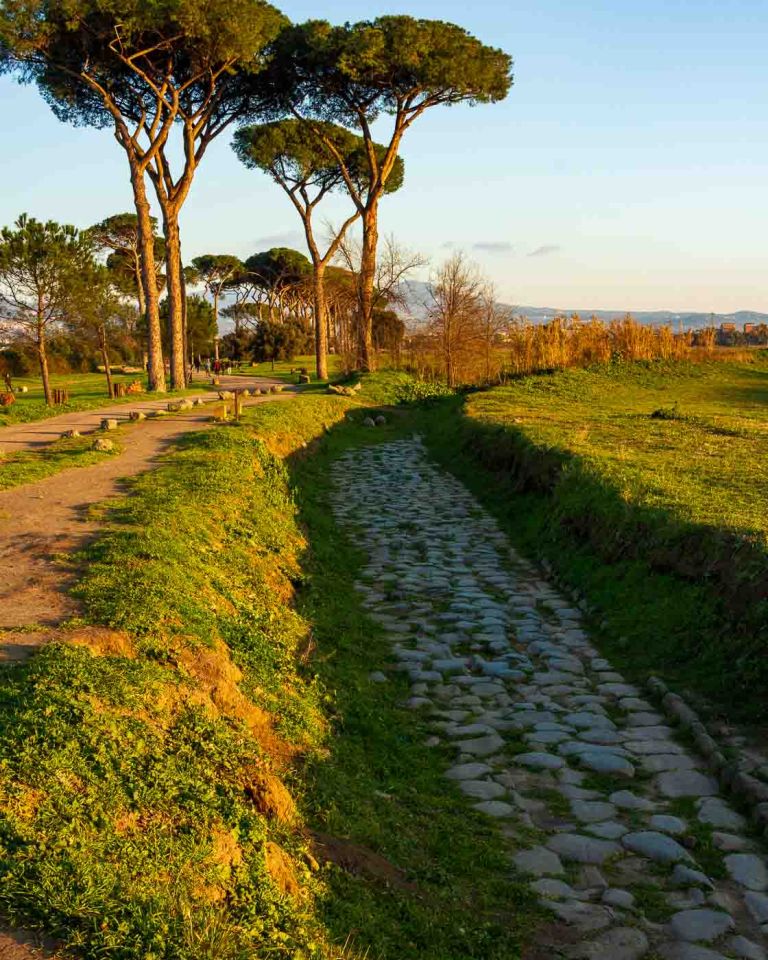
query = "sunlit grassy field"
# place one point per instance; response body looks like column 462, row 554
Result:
column 282, row 368
column 691, row 438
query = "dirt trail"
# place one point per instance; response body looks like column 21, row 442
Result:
column 30, row 436
column 50, row 517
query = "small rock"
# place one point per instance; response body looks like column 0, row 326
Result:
column 369, row 422
column 137, row 415
column 70, row 434
column 380, row 420
column 103, row 445
column 700, row 925
column 377, row 677
column 108, row 424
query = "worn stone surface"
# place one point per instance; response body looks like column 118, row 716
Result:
column 500, row 669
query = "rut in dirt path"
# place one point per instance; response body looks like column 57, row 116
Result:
column 623, row 835
column 50, row 517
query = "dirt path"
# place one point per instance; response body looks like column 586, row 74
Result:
column 50, row 517
column 30, row 436
column 625, row 838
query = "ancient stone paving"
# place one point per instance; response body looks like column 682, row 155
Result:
column 617, row 825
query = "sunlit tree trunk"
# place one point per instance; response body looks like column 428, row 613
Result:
column 175, row 296
column 365, row 354
column 151, row 299
column 105, row 358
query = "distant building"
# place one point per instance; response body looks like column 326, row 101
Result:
column 749, row 327
column 727, row 328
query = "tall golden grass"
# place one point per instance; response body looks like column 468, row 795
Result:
column 527, row 348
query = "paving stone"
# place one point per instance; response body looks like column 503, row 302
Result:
column 741, row 947
column 574, row 846
column 729, row 842
column 757, row 905
column 592, row 811
column 608, row 763
column 627, row 800
column 656, row 846
column 620, row 943
column 686, row 783
column 700, row 925
column 622, row 899
column 747, row 869
column 482, row 789
column 482, row 746
column 608, row 829
column 540, row 761
column 586, row 917
column 688, row 951
column 685, row 876
column 554, row 889
column 661, row 762
column 667, row 824
column 467, row 771
column 538, row 862
column 717, row 813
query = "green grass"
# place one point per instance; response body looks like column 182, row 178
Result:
column 656, row 521
column 86, row 391
column 27, row 467
column 380, row 786
column 127, row 828
column 281, row 370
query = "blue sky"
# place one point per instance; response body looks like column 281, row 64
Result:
column 626, row 170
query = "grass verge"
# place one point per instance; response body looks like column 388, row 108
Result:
column 674, row 590
column 28, row 467
column 162, row 772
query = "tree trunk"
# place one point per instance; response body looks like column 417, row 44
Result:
column 173, row 284
column 43, row 357
column 365, row 355
column 155, row 366
column 321, row 323
column 105, row 358
column 185, row 327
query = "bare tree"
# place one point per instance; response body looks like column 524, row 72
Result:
column 495, row 321
column 456, row 313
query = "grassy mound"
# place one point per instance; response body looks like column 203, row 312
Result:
column 644, row 485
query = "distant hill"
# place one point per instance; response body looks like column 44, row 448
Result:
column 416, row 294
